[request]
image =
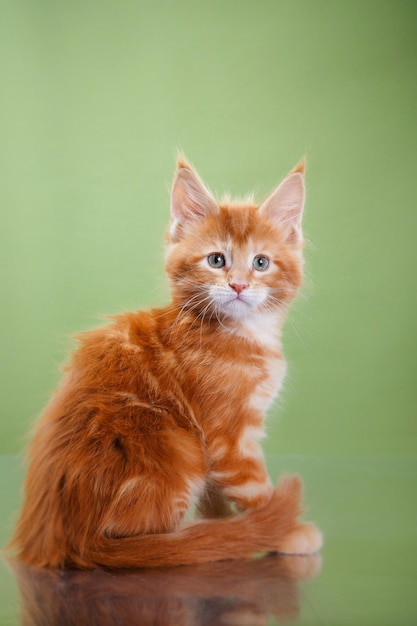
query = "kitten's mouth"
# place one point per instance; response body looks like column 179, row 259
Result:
column 236, row 303
column 238, row 298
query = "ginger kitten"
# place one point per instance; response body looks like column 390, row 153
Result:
column 162, row 410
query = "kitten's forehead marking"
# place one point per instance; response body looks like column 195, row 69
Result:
column 237, row 221
column 244, row 253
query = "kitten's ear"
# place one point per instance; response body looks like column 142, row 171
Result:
column 285, row 205
column 190, row 199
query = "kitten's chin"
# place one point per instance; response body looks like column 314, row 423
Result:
column 238, row 309
column 251, row 314
column 246, row 305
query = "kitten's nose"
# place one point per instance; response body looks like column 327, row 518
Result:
column 238, row 287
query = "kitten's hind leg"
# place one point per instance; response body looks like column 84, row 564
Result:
column 164, row 476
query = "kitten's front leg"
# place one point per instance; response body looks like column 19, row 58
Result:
column 238, row 469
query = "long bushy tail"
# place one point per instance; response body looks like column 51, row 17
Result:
column 259, row 530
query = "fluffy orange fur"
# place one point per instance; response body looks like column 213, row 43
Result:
column 162, row 410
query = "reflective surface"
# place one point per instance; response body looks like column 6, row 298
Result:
column 366, row 574
column 243, row 592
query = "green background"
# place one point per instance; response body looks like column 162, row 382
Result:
column 96, row 99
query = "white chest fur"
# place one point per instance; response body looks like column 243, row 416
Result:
column 267, row 390
column 264, row 330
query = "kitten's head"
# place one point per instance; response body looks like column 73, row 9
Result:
column 234, row 260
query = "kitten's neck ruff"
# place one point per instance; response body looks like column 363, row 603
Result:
column 262, row 328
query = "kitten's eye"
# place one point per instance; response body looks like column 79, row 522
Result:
column 260, row 263
column 216, row 260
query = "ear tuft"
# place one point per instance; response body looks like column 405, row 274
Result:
column 301, row 167
column 182, row 162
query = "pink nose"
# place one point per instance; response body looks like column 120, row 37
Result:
column 238, row 287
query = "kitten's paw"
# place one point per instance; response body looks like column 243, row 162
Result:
column 305, row 539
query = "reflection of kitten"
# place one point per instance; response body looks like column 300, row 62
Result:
column 207, row 594
column 161, row 410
